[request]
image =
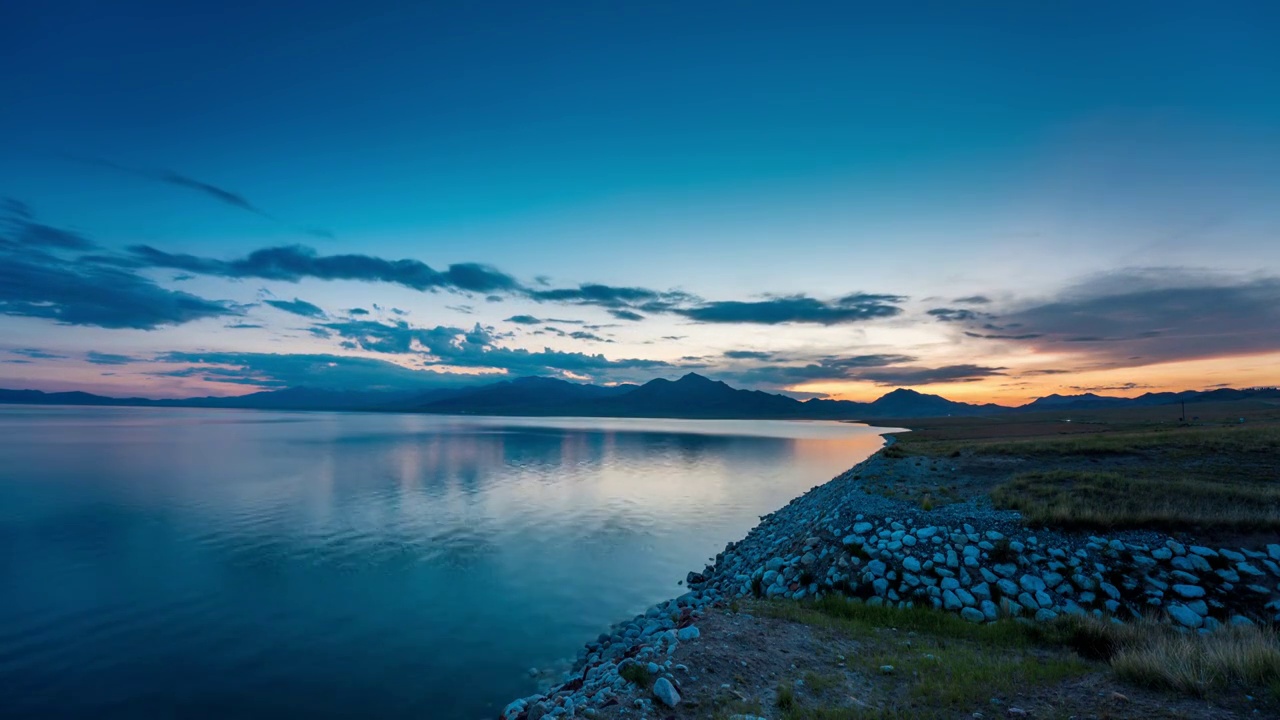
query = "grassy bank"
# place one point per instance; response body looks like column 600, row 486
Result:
column 942, row 666
column 1216, row 481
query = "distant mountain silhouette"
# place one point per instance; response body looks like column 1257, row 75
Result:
column 522, row 396
column 691, row 396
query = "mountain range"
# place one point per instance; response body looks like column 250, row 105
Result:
column 691, row 396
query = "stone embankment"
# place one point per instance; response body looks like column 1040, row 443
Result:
column 966, row 558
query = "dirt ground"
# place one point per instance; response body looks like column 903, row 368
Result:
column 744, row 660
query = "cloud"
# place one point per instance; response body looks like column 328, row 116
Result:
column 524, row 320
column 357, row 311
column 1104, row 388
column 956, row 315
column 999, row 336
column 297, row 307
column 323, row 371
column 222, row 195
column 37, row 354
column 973, row 300
column 826, row 368
column 243, row 326
column 296, row 262
column 609, row 296
column 857, row 307
column 1148, row 315
column 909, row 376
column 92, row 291
column 99, row 358
column 592, row 337
column 475, row 348
column 23, row 230
column 209, row 190
column 747, row 354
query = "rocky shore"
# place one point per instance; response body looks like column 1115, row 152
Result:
column 966, row 558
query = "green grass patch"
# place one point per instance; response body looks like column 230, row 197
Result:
column 821, row 682
column 858, row 619
column 945, row 674
column 637, row 674
column 786, row 699
column 1140, row 498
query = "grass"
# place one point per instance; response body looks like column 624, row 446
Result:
column 1230, row 658
column 1114, row 441
column 947, row 665
column 1106, row 499
column 820, row 683
column 1217, row 480
column 860, row 620
column 786, row 698
column 637, row 674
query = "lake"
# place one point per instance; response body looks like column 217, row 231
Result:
column 225, row 563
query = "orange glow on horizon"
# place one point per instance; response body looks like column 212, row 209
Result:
column 1018, row 387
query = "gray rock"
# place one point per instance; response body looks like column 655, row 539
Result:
column 973, row 615
column 688, row 633
column 1185, row 616
column 1031, row 583
column 863, row 528
column 1189, row 591
column 1245, row 568
column 666, row 692
column 911, row 564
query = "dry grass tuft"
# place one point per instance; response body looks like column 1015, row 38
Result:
column 1159, row 655
column 1097, row 499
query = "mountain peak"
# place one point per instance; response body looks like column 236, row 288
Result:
column 902, row 393
column 691, row 378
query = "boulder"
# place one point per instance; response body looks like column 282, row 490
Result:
column 666, row 692
column 1184, row 615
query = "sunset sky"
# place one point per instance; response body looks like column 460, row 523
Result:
column 987, row 201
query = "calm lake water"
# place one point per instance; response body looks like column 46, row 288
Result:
column 222, row 563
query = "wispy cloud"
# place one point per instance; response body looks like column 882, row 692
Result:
column 1148, row 315
column 100, row 358
column 297, row 307
column 857, row 307
column 216, row 192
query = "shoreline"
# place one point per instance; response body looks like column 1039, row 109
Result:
column 965, row 558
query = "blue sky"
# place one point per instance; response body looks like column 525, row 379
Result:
column 1091, row 166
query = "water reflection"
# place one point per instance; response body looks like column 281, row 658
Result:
column 164, row 561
